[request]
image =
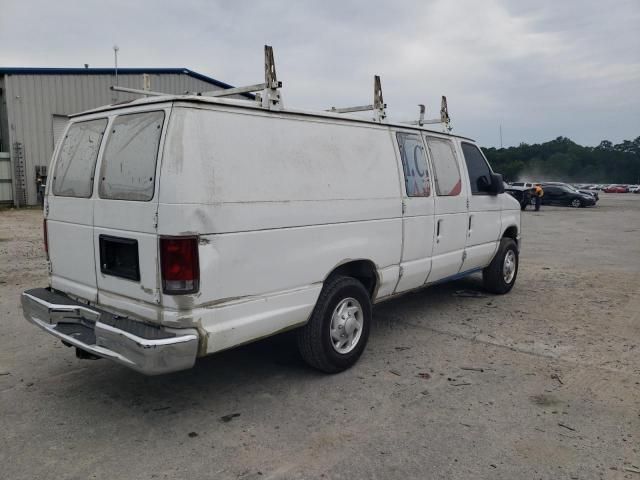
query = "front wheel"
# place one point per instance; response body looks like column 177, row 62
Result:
column 338, row 330
column 576, row 203
column 500, row 276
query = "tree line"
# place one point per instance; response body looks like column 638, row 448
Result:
column 564, row 160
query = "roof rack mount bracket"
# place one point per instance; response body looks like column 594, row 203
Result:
column 378, row 106
column 444, row 119
column 268, row 92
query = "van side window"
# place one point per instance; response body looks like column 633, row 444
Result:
column 76, row 164
column 479, row 171
column 129, row 161
column 414, row 164
column 445, row 165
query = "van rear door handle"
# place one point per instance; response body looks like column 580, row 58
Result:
column 470, row 219
column 438, row 230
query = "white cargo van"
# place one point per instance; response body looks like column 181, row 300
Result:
column 180, row 226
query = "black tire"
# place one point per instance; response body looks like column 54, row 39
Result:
column 314, row 339
column 493, row 277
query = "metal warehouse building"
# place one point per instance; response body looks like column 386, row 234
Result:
column 35, row 104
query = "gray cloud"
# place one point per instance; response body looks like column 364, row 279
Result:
column 541, row 69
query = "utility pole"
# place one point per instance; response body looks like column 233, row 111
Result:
column 115, row 58
column 500, row 135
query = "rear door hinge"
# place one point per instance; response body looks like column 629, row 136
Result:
column 401, row 272
column 467, row 204
column 464, row 255
column 155, row 220
column 404, row 207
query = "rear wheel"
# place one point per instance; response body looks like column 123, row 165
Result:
column 338, row 330
column 500, row 276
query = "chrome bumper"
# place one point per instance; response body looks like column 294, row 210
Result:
column 146, row 348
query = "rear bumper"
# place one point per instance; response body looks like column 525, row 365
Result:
column 146, row 348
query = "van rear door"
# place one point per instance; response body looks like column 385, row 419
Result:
column 126, row 205
column 69, row 209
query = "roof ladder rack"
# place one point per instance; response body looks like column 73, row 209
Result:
column 378, row 106
column 269, row 94
column 137, row 91
column 444, row 119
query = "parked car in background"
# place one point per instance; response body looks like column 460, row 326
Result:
column 615, row 189
column 566, row 196
column 593, row 193
column 523, row 184
column 634, row 188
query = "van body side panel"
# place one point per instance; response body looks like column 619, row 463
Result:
column 215, row 157
column 278, row 204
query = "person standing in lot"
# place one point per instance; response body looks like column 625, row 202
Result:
column 538, row 193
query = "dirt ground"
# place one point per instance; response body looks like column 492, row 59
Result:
column 456, row 384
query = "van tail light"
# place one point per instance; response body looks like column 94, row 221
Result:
column 46, row 237
column 179, row 265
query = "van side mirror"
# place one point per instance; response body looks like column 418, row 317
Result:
column 497, row 184
column 493, row 184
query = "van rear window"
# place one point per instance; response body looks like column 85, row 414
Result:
column 76, row 164
column 129, row 161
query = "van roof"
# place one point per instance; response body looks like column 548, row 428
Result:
column 248, row 104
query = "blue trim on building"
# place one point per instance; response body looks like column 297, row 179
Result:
column 112, row 71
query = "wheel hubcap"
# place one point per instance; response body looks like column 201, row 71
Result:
column 509, row 266
column 576, row 203
column 346, row 325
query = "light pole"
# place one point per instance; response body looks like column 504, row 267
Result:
column 115, row 58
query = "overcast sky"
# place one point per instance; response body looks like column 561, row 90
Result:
column 541, row 68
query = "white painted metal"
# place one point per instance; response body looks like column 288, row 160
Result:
column 278, row 200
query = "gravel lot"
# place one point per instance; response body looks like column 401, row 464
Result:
column 455, row 383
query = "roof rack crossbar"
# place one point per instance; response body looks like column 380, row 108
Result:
column 378, row 105
column 236, row 90
column 137, row 91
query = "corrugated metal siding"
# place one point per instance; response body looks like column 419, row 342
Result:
column 32, row 100
column 4, row 124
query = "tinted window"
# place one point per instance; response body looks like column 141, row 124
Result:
column 479, row 171
column 446, row 173
column 129, row 160
column 414, row 164
column 76, row 164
